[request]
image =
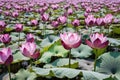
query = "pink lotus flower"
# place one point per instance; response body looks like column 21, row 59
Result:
column 55, row 24
column 90, row 20
column 100, row 22
column 18, row 27
column 70, row 40
column 34, row 22
column 108, row 18
column 76, row 23
column 70, row 11
column 5, row 38
column 6, row 56
column 30, row 37
column 45, row 17
column 2, row 26
column 97, row 41
column 15, row 14
column 28, row 49
column 62, row 19
column 55, row 6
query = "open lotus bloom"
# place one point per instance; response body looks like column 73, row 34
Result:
column 30, row 37
column 76, row 23
column 18, row 27
column 6, row 56
column 97, row 41
column 70, row 40
column 2, row 25
column 90, row 20
column 34, row 22
column 62, row 19
column 5, row 38
column 28, row 49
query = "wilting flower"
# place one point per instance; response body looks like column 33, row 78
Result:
column 90, row 20
column 34, row 22
column 6, row 56
column 97, row 41
column 76, row 23
column 28, row 49
column 5, row 38
column 18, row 27
column 30, row 37
column 70, row 40
column 55, row 24
column 69, row 11
column 62, row 19
column 2, row 26
column 45, row 17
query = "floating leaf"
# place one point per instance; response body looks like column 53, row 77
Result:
column 82, row 51
column 109, row 63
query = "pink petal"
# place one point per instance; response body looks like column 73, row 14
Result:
column 35, row 55
column 105, row 44
column 97, row 43
column 9, row 60
column 65, row 46
column 77, row 44
column 26, row 52
column 89, row 44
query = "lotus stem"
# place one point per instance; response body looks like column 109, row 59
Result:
column 96, row 56
column 70, row 59
column 19, row 39
column 9, row 72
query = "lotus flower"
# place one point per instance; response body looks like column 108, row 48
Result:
column 90, row 20
column 28, row 49
column 76, row 23
column 55, row 24
column 108, row 18
column 34, row 22
column 45, row 17
column 97, row 41
column 6, row 56
column 5, row 38
column 62, row 19
column 100, row 22
column 2, row 26
column 30, row 38
column 15, row 14
column 70, row 11
column 18, row 27
column 70, row 40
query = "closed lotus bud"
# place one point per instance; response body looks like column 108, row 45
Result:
column 45, row 17
column 30, row 37
column 5, row 38
column 34, row 22
column 6, row 56
column 90, row 20
column 76, row 23
column 18, row 27
column 62, row 19
column 28, row 49
column 2, row 26
column 100, row 22
column 97, row 41
column 55, row 24
column 70, row 11
column 70, row 40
